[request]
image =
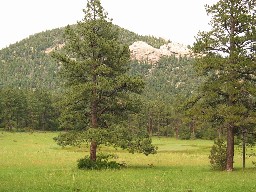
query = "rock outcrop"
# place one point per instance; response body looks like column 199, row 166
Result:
column 142, row 51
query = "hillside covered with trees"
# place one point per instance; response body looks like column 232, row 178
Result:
column 28, row 70
column 28, row 63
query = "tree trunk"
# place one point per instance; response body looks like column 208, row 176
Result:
column 177, row 132
column 150, row 125
column 94, row 124
column 232, row 57
column 93, row 150
column 94, row 111
column 176, row 126
column 230, row 148
column 192, row 129
column 244, row 137
column 94, row 120
column 219, row 132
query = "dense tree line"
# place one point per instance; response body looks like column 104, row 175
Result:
column 168, row 84
column 23, row 110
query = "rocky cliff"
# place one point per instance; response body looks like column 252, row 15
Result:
column 144, row 52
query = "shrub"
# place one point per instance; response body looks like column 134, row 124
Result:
column 218, row 155
column 102, row 162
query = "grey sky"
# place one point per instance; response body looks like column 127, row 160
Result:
column 177, row 20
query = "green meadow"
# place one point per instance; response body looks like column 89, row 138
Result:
column 34, row 162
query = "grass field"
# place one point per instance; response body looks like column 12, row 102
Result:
column 33, row 162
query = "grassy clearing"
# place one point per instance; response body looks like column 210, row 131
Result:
column 33, row 162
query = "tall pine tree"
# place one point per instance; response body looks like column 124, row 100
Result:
column 227, row 52
column 101, row 93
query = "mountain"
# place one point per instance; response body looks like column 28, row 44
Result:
column 28, row 64
column 166, row 67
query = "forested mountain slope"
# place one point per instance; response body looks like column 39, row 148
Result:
column 28, row 64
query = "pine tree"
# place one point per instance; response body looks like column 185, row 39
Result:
column 13, row 113
column 227, row 59
column 101, row 92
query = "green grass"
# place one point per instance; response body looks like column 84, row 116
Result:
column 33, row 162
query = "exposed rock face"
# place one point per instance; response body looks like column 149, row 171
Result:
column 143, row 52
column 50, row 49
column 174, row 48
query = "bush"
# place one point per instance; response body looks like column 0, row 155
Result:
column 102, row 162
column 218, row 155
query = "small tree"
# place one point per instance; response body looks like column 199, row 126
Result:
column 218, row 155
column 101, row 94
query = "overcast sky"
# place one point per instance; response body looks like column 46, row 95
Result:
column 177, row 20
